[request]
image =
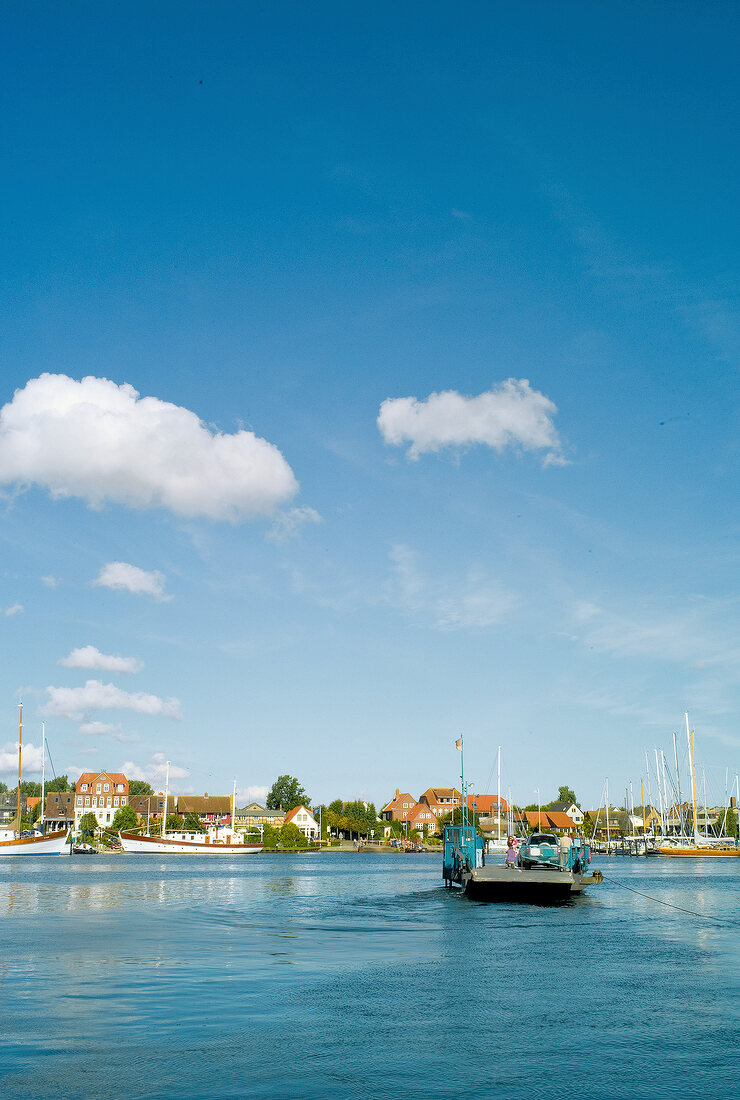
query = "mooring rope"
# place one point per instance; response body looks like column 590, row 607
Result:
column 670, row 905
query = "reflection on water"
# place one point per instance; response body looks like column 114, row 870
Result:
column 283, row 976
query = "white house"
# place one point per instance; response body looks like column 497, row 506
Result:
column 305, row 821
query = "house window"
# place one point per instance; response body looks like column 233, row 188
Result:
column 99, row 785
column 119, row 787
column 106, row 787
column 87, row 800
column 79, row 799
column 109, row 800
column 115, row 801
column 83, row 787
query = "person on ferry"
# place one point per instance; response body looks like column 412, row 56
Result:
column 511, row 854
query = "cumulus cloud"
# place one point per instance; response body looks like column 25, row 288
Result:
column 79, row 702
column 88, row 656
column 50, row 581
column 31, row 755
column 129, row 578
column 473, row 601
column 287, row 524
column 97, row 729
column 509, row 415
column 154, row 772
column 102, row 442
column 14, row 609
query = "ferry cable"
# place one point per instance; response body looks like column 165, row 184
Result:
column 670, row 905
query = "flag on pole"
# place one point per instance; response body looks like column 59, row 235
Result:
column 458, row 744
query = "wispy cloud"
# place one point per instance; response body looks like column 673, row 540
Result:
column 510, row 415
column 287, row 524
column 79, row 702
column 90, row 657
column 257, row 793
column 474, row 602
column 99, row 441
column 129, row 578
column 14, row 609
column 50, row 581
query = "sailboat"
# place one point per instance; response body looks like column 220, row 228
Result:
column 213, row 841
column 700, row 844
column 12, row 841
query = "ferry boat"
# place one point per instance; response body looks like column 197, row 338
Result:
column 548, row 868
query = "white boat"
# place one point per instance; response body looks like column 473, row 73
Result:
column 49, row 844
column 210, row 843
column 214, row 841
column 14, row 843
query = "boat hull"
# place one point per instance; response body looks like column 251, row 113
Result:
column 53, row 844
column 500, row 883
column 163, row 845
column 701, row 853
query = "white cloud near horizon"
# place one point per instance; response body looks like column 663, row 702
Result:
column 509, row 415
column 255, row 793
column 88, row 656
column 31, row 758
column 103, row 442
column 79, row 702
column 154, row 772
column 124, row 577
column 473, row 602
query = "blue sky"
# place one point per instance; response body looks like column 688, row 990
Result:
column 273, row 234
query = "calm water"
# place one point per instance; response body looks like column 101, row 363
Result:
column 345, row 975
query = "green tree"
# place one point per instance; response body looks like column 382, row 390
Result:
column 60, row 783
column 139, row 786
column 174, row 823
column 88, row 824
column 730, row 828
column 125, row 819
column 286, row 793
column 270, row 836
column 30, row 789
column 192, row 823
column 292, row 837
column 3, row 788
column 566, row 794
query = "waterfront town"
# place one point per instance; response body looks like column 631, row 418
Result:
column 101, row 803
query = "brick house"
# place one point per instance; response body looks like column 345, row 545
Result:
column 398, row 807
column 100, row 793
column 441, row 800
column 59, row 810
column 422, row 814
column 149, row 805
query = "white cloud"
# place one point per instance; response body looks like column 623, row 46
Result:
column 101, row 442
column 76, row 703
column 510, row 415
column 98, row 729
column 90, row 657
column 31, row 758
column 255, row 793
column 287, row 524
column 129, row 578
column 50, row 581
column 154, row 772
column 14, row 609
column 472, row 602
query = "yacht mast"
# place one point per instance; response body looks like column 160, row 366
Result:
column 690, row 737
column 498, row 796
column 43, row 771
column 20, row 747
column 166, row 792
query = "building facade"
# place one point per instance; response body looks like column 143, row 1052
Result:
column 100, row 793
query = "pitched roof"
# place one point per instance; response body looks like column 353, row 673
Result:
column 484, row 803
column 561, row 820
column 204, row 803
column 91, row 777
column 297, row 809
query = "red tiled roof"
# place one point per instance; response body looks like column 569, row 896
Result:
column 91, row 777
column 559, row 820
column 484, row 803
column 296, row 809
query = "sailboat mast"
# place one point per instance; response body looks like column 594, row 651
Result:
column 693, row 778
column 166, row 793
column 498, row 796
column 678, row 786
column 233, row 812
column 20, row 748
column 606, row 801
column 43, row 771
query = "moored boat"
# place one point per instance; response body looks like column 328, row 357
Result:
column 209, row 843
column 14, row 842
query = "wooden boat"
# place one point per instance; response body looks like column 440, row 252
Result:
column 214, row 841
column 14, row 843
